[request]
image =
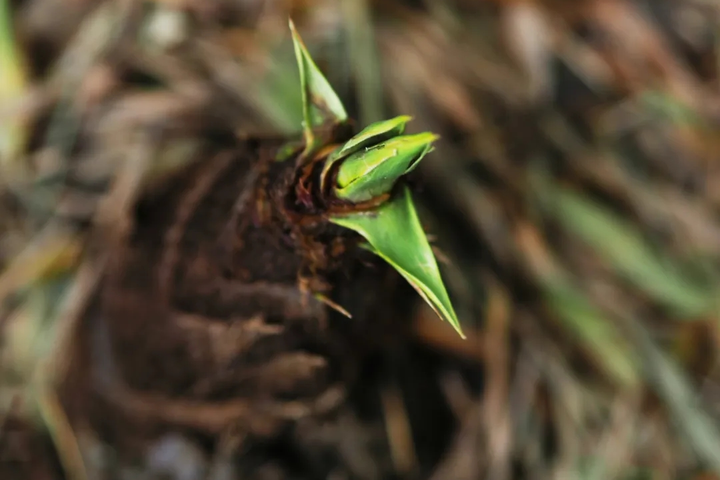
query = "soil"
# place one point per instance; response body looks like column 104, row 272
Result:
column 203, row 328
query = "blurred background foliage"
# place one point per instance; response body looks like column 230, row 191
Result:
column 572, row 198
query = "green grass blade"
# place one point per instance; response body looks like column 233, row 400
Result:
column 362, row 50
column 674, row 388
column 12, row 84
column 594, row 330
column 630, row 254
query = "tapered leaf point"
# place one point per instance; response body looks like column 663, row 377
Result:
column 316, row 90
column 395, row 234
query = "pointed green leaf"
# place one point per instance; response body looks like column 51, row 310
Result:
column 395, row 234
column 369, row 136
column 320, row 102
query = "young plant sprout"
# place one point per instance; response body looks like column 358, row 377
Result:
column 373, row 172
column 364, row 168
column 371, row 135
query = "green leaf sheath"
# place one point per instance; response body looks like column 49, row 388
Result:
column 373, row 172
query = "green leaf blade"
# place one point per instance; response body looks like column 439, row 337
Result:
column 630, row 254
column 320, row 102
column 597, row 333
column 396, row 235
column 13, row 82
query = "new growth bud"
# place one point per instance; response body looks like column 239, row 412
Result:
column 373, row 172
column 374, row 159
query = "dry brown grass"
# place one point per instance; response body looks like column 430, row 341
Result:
column 573, row 194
